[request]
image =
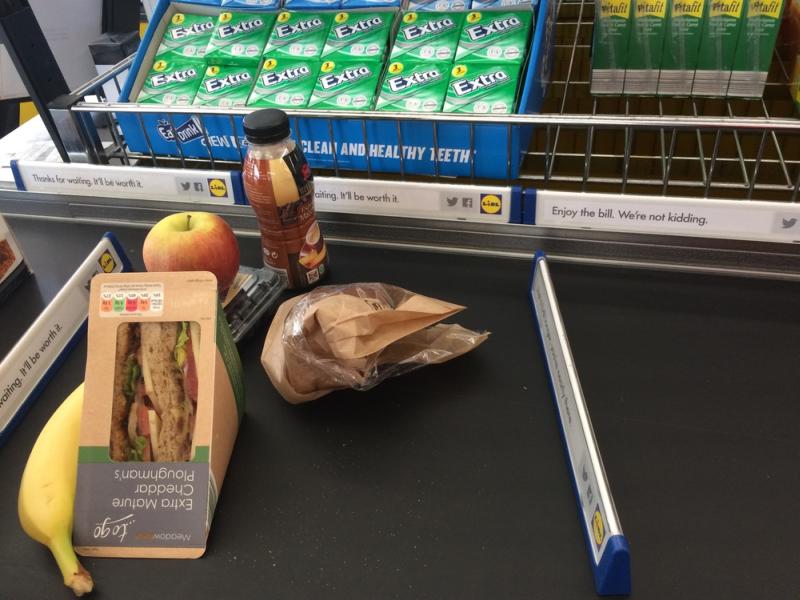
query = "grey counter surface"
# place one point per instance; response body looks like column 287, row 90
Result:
column 451, row 482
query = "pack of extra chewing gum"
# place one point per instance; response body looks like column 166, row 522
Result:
column 284, row 83
column 299, row 34
column 346, row 85
column 171, row 82
column 225, row 86
column 358, row 35
column 186, row 37
column 414, row 86
column 239, row 38
column 482, row 88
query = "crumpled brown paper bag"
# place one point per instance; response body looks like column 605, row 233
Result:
column 355, row 336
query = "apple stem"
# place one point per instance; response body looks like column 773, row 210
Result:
column 188, row 222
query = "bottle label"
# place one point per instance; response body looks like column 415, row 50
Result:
column 281, row 192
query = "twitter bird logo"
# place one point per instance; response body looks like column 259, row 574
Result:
column 789, row 223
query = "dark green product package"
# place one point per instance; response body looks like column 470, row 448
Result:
column 645, row 47
column 610, row 45
column 754, row 48
column 685, row 21
column 717, row 48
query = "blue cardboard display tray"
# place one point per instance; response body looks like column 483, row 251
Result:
column 368, row 143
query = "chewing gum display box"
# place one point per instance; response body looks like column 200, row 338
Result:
column 610, row 46
column 12, row 263
column 681, row 42
column 164, row 397
column 645, row 47
column 357, row 35
column 239, row 38
column 186, row 37
column 494, row 36
column 171, row 82
column 410, row 86
column 284, row 83
column 482, row 88
column 299, row 34
column 717, row 48
column 484, row 4
column 427, row 36
column 346, row 85
column 226, row 86
column 485, row 150
column 762, row 19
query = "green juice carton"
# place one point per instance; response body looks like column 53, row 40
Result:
column 410, row 86
column 299, row 34
column 427, row 35
column 754, row 48
column 358, row 35
column 239, row 38
column 645, row 47
column 483, row 88
column 681, row 42
column 225, row 85
column 610, row 45
column 284, row 83
column 186, row 37
column 717, row 48
column 494, row 36
column 171, row 82
column 346, row 85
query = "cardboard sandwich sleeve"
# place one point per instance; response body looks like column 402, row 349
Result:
column 163, row 400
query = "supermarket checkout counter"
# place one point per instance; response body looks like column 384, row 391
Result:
column 451, row 482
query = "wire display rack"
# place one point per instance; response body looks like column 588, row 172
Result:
column 712, row 148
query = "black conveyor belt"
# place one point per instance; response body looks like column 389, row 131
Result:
column 451, row 482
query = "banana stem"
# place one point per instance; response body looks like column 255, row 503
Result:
column 76, row 577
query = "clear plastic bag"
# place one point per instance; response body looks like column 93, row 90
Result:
column 355, row 336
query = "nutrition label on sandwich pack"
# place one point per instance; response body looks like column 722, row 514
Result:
column 129, row 299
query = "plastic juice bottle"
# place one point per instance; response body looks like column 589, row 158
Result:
column 280, row 188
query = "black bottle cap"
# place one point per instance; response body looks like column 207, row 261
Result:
column 266, row 126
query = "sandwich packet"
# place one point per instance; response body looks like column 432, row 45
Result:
column 164, row 397
column 357, row 335
column 171, row 82
column 186, row 37
column 284, row 83
column 239, row 38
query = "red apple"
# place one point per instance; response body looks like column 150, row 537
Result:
column 193, row 241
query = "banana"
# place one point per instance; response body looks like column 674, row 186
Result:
column 47, row 490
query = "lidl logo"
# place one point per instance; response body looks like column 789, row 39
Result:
column 491, row 204
column 217, row 188
column 107, row 262
column 598, row 527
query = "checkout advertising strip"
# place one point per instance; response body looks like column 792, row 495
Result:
column 36, row 356
column 608, row 548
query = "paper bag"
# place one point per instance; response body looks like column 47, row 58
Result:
column 357, row 335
